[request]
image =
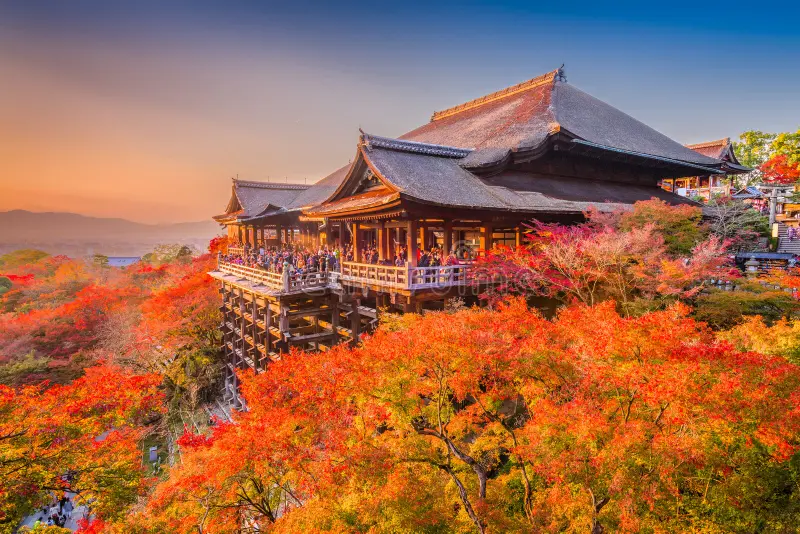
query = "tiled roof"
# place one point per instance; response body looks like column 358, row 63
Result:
column 430, row 162
column 320, row 191
column 443, row 181
column 250, row 198
column 712, row 149
column 351, row 203
column 522, row 117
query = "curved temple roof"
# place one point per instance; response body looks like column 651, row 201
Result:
column 432, row 174
column 432, row 163
column 522, row 117
column 251, row 199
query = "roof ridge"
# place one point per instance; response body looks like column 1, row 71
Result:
column 708, row 144
column 415, row 147
column 538, row 81
column 270, row 185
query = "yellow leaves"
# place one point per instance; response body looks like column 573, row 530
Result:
column 780, row 339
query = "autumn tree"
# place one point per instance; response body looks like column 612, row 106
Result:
column 89, row 430
column 501, row 421
column 622, row 256
column 779, row 169
column 774, row 157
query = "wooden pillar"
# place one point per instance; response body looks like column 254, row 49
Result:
column 267, row 326
column 329, row 233
column 423, row 238
column 356, row 244
column 334, row 305
column 355, row 320
column 239, row 233
column 382, row 248
column 411, row 242
column 519, row 236
column 447, row 243
column 486, row 236
column 278, row 232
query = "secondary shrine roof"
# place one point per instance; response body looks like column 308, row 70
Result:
column 251, row 198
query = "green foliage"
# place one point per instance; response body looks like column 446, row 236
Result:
column 21, row 257
column 18, row 371
column 168, row 253
column 5, row 284
column 725, row 309
column 753, row 147
column 788, row 144
column 679, row 226
column 101, row 260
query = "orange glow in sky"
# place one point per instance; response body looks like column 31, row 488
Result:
column 144, row 111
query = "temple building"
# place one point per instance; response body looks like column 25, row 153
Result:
column 706, row 187
column 467, row 180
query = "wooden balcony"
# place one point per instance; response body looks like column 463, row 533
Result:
column 276, row 281
column 385, row 277
column 407, row 278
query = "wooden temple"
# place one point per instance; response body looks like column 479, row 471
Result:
column 706, row 187
column 465, row 181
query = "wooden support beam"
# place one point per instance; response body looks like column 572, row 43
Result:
column 356, row 243
column 309, row 338
column 486, row 236
column 423, row 238
column 447, row 243
column 329, row 233
column 382, row 248
column 355, row 322
column 268, row 327
column 411, row 242
column 334, row 307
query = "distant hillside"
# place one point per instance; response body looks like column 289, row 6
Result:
column 77, row 235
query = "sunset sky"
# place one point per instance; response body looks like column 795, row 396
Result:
column 146, row 111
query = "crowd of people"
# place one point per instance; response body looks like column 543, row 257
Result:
column 300, row 259
column 57, row 513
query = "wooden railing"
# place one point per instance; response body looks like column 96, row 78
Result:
column 281, row 281
column 236, row 251
column 389, row 276
column 441, row 276
column 384, row 275
column 406, row 277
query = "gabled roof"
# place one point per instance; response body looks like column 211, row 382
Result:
column 721, row 149
column 434, row 174
column 251, row 198
column 718, row 149
column 748, row 192
column 520, row 119
column 320, row 191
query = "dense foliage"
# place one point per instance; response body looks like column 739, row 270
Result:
column 648, row 402
column 126, row 344
column 502, row 421
column 774, row 157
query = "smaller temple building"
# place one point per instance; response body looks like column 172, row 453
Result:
column 704, row 188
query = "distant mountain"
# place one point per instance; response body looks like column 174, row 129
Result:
column 76, row 235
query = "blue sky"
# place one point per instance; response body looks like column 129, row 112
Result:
column 144, row 110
